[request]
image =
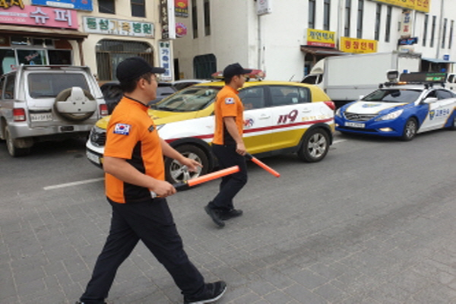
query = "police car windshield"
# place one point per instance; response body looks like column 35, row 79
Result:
column 188, row 100
column 393, row 95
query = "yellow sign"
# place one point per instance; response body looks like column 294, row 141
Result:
column 353, row 45
column 321, row 38
column 419, row 5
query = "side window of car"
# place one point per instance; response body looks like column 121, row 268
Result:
column 442, row 94
column 252, row 98
column 288, row 95
column 8, row 93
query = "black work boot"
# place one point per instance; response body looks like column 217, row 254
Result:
column 229, row 214
column 215, row 215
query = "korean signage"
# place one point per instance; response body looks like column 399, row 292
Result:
column 321, row 38
column 110, row 26
column 181, row 30
column 38, row 16
column 408, row 41
column 164, row 57
column 264, row 7
column 83, row 5
column 181, row 8
column 418, row 5
column 406, row 24
column 353, row 45
column 167, row 19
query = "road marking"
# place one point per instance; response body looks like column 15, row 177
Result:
column 87, row 181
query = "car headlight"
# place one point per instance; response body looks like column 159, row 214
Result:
column 391, row 116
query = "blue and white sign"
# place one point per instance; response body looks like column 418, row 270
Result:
column 165, row 60
column 83, row 5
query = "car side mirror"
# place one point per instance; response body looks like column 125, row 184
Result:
column 430, row 100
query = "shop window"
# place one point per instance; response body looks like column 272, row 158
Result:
column 7, row 60
column 31, row 57
column 138, row 8
column 106, row 6
column 204, row 66
column 60, row 57
column 110, row 53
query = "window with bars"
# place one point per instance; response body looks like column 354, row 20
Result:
column 204, row 66
column 389, row 11
column 138, row 8
column 434, row 23
column 445, row 21
column 425, row 30
column 109, row 53
column 194, row 19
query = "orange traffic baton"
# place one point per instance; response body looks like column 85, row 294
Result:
column 202, row 179
column 262, row 165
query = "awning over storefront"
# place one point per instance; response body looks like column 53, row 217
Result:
column 321, row 50
column 435, row 60
column 46, row 33
column 42, row 32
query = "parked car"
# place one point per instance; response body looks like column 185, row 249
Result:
column 280, row 117
column 415, row 104
column 113, row 93
column 39, row 103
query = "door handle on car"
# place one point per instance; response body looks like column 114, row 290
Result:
column 265, row 116
column 306, row 110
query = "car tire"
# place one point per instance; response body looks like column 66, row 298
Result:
column 314, row 146
column 410, row 129
column 77, row 107
column 11, row 146
column 176, row 173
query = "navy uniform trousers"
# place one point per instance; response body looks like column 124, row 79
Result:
column 230, row 184
column 153, row 224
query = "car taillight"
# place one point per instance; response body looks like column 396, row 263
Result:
column 19, row 115
column 103, row 110
column 331, row 105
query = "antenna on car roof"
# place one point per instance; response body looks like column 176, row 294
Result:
column 292, row 77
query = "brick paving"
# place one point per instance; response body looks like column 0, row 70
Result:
column 322, row 246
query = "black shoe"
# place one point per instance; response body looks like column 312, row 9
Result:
column 212, row 292
column 229, row 214
column 79, row 302
column 214, row 214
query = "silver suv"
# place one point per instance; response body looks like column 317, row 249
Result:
column 41, row 103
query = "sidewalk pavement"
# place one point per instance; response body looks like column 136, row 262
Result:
column 282, row 250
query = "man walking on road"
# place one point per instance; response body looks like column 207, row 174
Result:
column 133, row 162
column 228, row 145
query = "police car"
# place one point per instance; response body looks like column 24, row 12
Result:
column 417, row 103
column 279, row 117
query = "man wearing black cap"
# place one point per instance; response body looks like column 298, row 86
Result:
column 133, row 163
column 228, row 145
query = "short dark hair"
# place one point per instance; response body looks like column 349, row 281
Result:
column 130, row 86
column 229, row 79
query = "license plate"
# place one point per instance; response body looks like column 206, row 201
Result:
column 41, row 116
column 354, row 125
column 93, row 157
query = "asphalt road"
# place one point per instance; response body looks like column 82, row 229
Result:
column 374, row 222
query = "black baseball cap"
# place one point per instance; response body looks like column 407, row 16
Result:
column 134, row 67
column 234, row 69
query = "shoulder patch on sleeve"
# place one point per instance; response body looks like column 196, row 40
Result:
column 122, row 129
column 229, row 100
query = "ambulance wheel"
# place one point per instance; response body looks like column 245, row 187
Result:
column 314, row 146
column 410, row 129
column 177, row 173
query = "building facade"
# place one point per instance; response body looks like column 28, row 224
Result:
column 286, row 38
column 98, row 33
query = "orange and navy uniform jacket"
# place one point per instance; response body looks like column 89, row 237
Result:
column 132, row 135
column 227, row 104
